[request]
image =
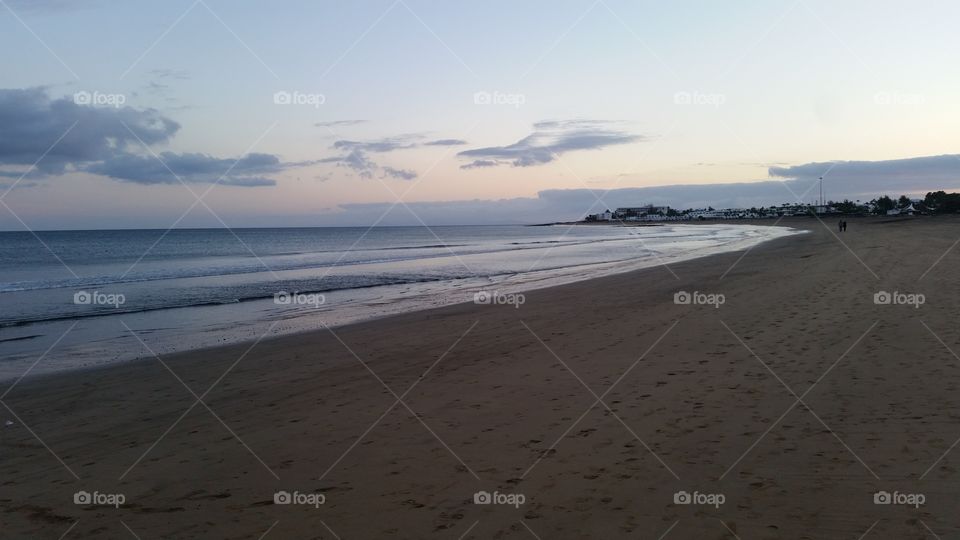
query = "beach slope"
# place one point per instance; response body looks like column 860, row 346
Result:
column 597, row 405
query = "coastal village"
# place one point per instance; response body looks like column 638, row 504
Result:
column 934, row 203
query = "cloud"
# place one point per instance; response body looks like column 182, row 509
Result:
column 549, row 140
column 59, row 136
column 339, row 123
column 30, row 124
column 479, row 163
column 854, row 180
column 356, row 154
column 386, row 144
column 446, row 142
column 166, row 73
column 160, row 81
column 402, row 174
column 869, row 178
column 248, row 171
column 356, row 160
column 559, row 205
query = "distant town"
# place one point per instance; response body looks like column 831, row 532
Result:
column 937, row 202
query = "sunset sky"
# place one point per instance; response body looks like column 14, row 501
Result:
column 122, row 114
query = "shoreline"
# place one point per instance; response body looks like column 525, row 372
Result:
column 382, row 319
column 237, row 323
column 695, row 398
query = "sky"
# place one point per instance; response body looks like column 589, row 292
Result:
column 211, row 113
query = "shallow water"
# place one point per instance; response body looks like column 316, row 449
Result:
column 79, row 300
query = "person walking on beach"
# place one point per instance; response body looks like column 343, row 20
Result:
column 844, row 225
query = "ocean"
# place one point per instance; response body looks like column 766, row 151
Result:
column 72, row 299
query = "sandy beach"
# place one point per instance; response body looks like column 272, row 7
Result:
column 784, row 410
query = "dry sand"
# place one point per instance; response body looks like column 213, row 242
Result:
column 796, row 400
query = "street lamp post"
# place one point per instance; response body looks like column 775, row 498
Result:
column 821, row 193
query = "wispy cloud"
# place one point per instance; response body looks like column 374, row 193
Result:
column 166, row 73
column 479, row 164
column 548, row 140
column 446, row 142
column 355, row 154
column 338, row 123
column 402, row 174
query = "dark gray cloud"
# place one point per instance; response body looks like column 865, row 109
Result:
column 109, row 141
column 549, row 140
column 30, row 123
column 862, row 178
column 247, row 171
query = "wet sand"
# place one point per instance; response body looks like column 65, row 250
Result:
column 794, row 401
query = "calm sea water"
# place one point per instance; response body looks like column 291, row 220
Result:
column 105, row 296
